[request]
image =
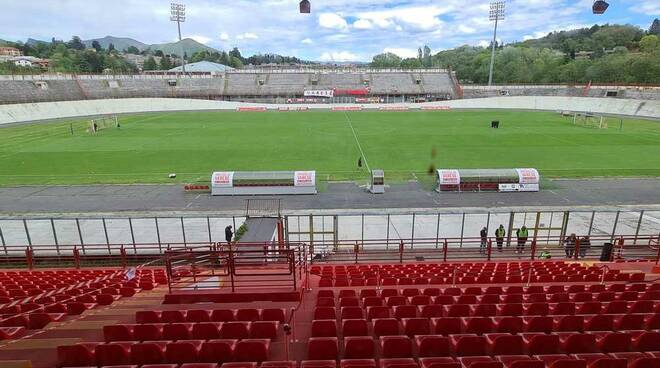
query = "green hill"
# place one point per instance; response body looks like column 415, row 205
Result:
column 120, row 43
column 189, row 45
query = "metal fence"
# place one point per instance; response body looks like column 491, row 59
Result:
column 151, row 235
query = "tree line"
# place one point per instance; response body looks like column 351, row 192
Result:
column 601, row 54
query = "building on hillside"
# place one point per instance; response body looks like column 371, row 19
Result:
column 30, row 61
column 10, row 51
column 203, row 67
column 583, row 55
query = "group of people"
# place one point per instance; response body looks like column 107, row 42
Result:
column 570, row 243
column 521, row 237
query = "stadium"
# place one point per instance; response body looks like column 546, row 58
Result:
column 326, row 215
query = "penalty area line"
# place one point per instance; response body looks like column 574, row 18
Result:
column 350, row 124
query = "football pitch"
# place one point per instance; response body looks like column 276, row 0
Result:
column 146, row 148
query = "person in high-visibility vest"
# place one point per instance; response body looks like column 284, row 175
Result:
column 521, row 234
column 499, row 236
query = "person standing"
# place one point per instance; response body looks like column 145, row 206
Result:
column 499, row 237
column 585, row 245
column 521, row 234
column 569, row 245
column 228, row 234
column 484, row 240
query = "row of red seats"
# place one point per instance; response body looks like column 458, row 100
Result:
column 159, row 352
column 362, row 347
column 188, row 331
column 594, row 360
column 393, row 301
column 460, row 265
column 463, row 271
column 488, row 310
column 481, row 325
column 497, row 290
column 215, row 315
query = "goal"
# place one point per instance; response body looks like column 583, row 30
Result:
column 590, row 120
column 105, row 122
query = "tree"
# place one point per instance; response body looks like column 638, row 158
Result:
column 159, row 53
column 236, row 53
column 150, row 64
column 411, row 63
column 133, row 50
column 426, row 59
column 165, row 63
column 655, row 27
column 111, row 47
column 386, row 60
column 649, row 43
column 419, row 54
column 76, row 43
column 96, row 46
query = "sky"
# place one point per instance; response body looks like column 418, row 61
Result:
column 336, row 30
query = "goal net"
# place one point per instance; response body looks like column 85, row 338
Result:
column 589, row 120
column 105, row 122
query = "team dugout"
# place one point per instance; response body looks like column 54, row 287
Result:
column 263, row 182
column 497, row 180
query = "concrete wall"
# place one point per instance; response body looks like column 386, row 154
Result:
column 68, row 109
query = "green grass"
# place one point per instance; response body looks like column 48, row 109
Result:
column 193, row 144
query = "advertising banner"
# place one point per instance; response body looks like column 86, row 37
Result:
column 304, row 179
column 518, row 187
column 449, row 177
column 319, row 93
column 528, row 176
column 435, row 108
column 222, row 179
column 256, row 108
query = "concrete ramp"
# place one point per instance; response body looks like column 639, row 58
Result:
column 260, row 229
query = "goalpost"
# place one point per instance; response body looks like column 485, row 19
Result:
column 590, row 120
column 105, row 122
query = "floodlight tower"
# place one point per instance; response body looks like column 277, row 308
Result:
column 496, row 14
column 178, row 15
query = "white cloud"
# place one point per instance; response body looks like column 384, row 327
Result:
column 338, row 56
column 402, row 52
column 307, row 41
column 363, row 24
column 483, row 43
column 332, row 21
column 224, row 36
column 247, row 36
column 201, row 39
column 466, row 29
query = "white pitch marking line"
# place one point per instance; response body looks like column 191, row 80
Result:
column 350, row 124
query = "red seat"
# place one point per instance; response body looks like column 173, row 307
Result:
column 378, row 312
column 589, row 308
column 386, row 326
column 217, row 351
column 183, row 351
column 405, row 311
column 446, row 325
column 368, row 293
column 563, row 308
column 79, row 355
column 148, row 353
column 322, row 348
column 190, row 365
column 653, row 322
column 237, row 365
column 542, row 344
column 520, row 361
column 318, row 364
column 416, row 326
column 561, row 361
column 252, row 350
column 469, row 345
column 539, row 324
column 325, row 302
column 579, row 343
column 235, row 330
column 273, row 314
column 510, row 309
column 352, row 313
column 430, row 311
column 602, row 322
column 395, row 346
column 177, row 331
column 478, row 325
column 225, row 315
column 393, row 301
column 325, row 294
column 355, row 327
column 570, row 323
column 536, row 309
column 358, row 347
column 480, row 362
column 148, row 332
column 247, row 314
column 118, row 333
column 197, row 315
column 372, row 301
column 172, row 316
column 646, row 363
column 630, row 322
column 349, row 302
column 279, row 364
column 647, row 341
column 436, row 362
column 616, row 307
column 324, row 328
column 347, row 294
column 433, row 346
column 206, row 330
column 642, row 306
column 324, row 313
column 597, row 360
column 457, row 310
column 357, row 363
column 398, row 363
column 504, row 344
column 420, row 300
column 615, row 342
column 509, row 324
column 264, row 330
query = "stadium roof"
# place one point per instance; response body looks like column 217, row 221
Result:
column 203, row 67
